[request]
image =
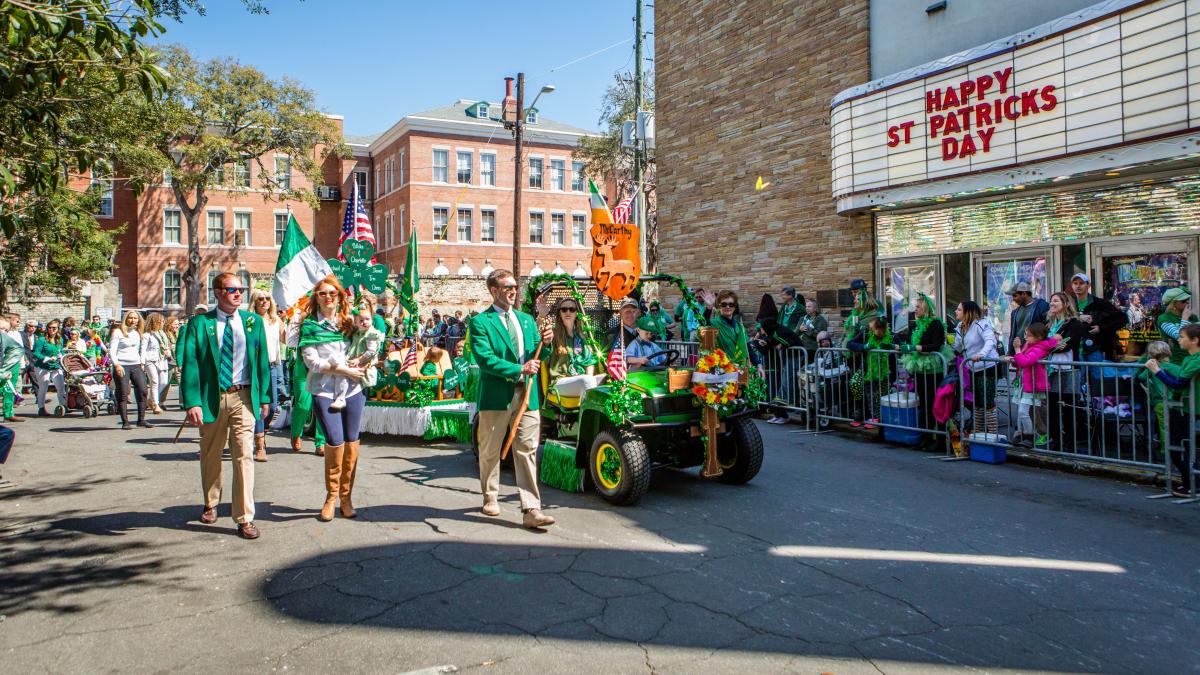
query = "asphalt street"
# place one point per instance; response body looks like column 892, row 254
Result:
column 841, row 557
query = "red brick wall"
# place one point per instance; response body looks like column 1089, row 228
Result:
column 743, row 89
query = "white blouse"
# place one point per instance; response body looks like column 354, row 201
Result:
column 324, row 357
column 126, row 348
column 153, row 345
column 272, row 331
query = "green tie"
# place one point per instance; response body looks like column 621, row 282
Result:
column 512, row 331
column 225, row 370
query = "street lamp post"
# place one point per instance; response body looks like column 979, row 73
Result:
column 514, row 121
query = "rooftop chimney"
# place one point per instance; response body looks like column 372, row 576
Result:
column 509, row 105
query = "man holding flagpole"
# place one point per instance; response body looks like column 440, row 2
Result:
column 508, row 349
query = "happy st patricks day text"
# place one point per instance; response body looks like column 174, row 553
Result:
column 966, row 126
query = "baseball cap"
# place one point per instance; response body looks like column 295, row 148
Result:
column 1175, row 294
column 1020, row 288
column 646, row 323
column 627, row 302
column 858, row 284
column 1082, row 277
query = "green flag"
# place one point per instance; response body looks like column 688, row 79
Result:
column 411, row 283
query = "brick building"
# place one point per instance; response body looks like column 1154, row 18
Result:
column 240, row 231
column 450, row 171
column 743, row 90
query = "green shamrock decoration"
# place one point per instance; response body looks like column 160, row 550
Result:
column 357, row 269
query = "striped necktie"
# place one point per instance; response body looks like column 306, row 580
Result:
column 512, row 332
column 225, row 370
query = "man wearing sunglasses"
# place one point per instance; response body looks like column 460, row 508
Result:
column 508, row 349
column 224, row 388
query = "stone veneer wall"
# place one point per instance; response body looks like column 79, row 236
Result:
column 743, row 89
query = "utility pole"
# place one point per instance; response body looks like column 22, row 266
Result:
column 639, row 217
column 519, row 137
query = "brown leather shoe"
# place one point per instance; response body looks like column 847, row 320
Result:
column 490, row 508
column 248, row 530
column 14, row 419
column 209, row 515
column 534, row 518
column 260, row 447
column 320, row 451
column 296, row 444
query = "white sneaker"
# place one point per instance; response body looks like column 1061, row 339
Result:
column 338, row 403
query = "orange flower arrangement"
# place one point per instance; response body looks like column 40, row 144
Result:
column 716, row 362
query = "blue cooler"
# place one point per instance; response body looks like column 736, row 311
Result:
column 899, row 409
column 986, row 452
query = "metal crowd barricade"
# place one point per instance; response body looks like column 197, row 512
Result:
column 840, row 396
column 1092, row 411
column 788, row 384
column 689, row 352
column 1185, row 412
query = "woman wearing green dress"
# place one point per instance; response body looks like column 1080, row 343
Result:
column 731, row 332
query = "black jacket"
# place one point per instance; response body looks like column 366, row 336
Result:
column 1110, row 319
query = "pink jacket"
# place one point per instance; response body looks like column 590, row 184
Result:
column 1033, row 374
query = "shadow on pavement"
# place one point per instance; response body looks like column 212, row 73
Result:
column 53, row 570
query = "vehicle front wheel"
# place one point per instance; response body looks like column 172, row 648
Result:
column 620, row 466
column 740, row 453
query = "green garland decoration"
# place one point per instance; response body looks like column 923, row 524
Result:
column 755, row 390
column 623, row 402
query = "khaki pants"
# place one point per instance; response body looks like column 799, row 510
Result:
column 493, row 429
column 234, row 425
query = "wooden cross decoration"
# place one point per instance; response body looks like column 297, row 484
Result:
column 712, row 425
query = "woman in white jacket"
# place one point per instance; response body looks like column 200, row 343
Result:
column 976, row 341
column 154, row 361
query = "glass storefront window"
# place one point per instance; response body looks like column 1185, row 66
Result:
column 901, row 283
column 999, row 276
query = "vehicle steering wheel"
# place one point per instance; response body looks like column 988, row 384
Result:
column 665, row 359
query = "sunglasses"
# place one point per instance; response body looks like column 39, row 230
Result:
column 728, row 304
column 508, row 287
column 564, row 310
column 233, row 290
column 326, row 294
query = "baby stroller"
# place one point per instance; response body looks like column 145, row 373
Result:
column 827, row 383
column 87, row 388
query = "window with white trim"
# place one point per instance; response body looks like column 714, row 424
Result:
column 391, row 168
column 172, row 288
column 441, row 222
column 102, row 183
column 464, row 224
column 487, row 169
column 441, row 166
column 558, row 175
column 360, row 179
column 577, row 181
column 241, row 226
column 535, row 172
column 215, row 227
column 537, row 226
column 212, row 295
column 172, row 226
column 283, row 172
column 403, row 176
column 464, row 167
column 558, row 228
column 241, row 173
column 578, row 228
column 403, row 226
column 281, row 223
column 487, row 225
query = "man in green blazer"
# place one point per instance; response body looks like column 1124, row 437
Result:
column 223, row 386
column 508, row 349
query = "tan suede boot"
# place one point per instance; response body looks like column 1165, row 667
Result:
column 260, row 447
column 349, row 465
column 333, row 479
column 320, row 451
column 296, row 444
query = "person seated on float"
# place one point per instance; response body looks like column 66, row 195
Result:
column 571, row 367
column 642, row 353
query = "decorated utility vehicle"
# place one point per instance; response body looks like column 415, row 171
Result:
column 665, row 416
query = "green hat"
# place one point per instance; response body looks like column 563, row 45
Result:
column 646, row 323
column 1175, row 294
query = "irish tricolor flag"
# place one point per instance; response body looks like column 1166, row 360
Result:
column 600, row 213
column 299, row 268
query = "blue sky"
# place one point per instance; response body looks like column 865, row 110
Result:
column 375, row 61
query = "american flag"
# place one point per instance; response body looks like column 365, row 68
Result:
column 622, row 212
column 410, row 359
column 616, row 363
column 356, row 224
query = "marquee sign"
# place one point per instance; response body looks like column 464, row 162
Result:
column 1112, row 81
